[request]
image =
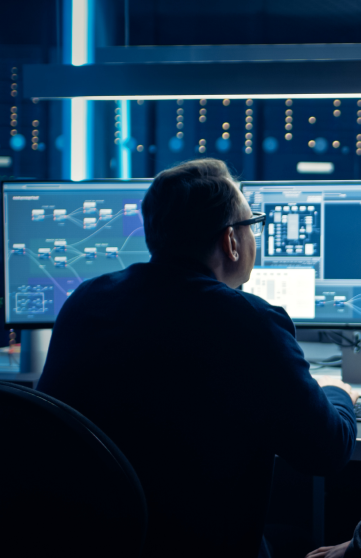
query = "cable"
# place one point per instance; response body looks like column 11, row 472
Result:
column 349, row 342
column 334, row 361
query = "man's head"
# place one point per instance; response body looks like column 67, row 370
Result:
column 187, row 212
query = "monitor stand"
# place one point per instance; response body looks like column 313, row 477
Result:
column 34, row 348
column 351, row 360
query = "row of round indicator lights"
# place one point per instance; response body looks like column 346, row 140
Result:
column 14, row 112
column 34, row 133
column 226, row 125
column 202, row 118
column 14, row 85
column 118, row 125
column 248, row 125
column 13, row 109
column 179, row 119
column 336, row 144
column 140, row 147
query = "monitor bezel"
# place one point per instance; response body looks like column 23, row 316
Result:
column 120, row 181
column 275, row 183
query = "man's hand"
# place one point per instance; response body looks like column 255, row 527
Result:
column 331, row 381
column 329, row 551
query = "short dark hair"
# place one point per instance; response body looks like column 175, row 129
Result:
column 187, row 205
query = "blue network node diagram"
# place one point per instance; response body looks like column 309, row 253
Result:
column 57, row 237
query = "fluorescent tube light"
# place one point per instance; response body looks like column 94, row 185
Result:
column 225, row 96
column 5, row 161
column 79, row 32
column 79, row 105
column 78, row 139
column 321, row 168
column 125, row 159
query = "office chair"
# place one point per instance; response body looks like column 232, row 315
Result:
column 65, row 488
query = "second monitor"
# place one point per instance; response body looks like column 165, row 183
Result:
column 309, row 257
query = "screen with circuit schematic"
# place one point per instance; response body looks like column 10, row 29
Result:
column 308, row 259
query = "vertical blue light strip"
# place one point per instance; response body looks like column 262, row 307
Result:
column 90, row 104
column 66, row 103
column 125, row 156
column 82, row 52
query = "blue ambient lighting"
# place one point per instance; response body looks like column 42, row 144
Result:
column 176, row 144
column 270, row 144
column 223, row 145
column 18, row 142
column 59, row 143
column 321, row 145
column 125, row 146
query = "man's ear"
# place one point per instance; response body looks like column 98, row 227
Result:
column 229, row 244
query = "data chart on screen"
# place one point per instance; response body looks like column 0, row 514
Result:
column 57, row 235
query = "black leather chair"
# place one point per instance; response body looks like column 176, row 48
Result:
column 65, row 488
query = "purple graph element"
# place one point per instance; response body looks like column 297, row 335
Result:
column 132, row 218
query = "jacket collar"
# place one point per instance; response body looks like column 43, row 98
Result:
column 182, row 262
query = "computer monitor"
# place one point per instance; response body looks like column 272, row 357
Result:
column 309, row 256
column 57, row 234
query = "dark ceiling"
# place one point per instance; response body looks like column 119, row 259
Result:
column 165, row 22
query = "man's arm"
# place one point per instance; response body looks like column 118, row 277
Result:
column 312, row 428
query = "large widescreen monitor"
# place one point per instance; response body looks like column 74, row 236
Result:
column 58, row 234
column 309, row 256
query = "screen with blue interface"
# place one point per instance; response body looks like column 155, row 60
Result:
column 309, row 256
column 56, row 235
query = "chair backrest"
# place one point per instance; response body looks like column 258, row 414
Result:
column 65, row 487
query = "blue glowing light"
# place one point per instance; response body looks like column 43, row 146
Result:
column 59, row 143
column 127, row 142
column 321, row 145
column 130, row 143
column 270, row 144
column 223, row 145
column 176, row 144
column 18, row 142
column 41, row 146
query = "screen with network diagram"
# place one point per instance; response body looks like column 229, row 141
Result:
column 309, row 256
column 56, row 235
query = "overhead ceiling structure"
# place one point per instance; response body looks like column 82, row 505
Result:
column 234, row 71
column 212, row 71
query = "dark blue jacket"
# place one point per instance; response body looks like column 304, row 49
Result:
column 200, row 386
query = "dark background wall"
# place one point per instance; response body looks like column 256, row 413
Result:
column 29, row 33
